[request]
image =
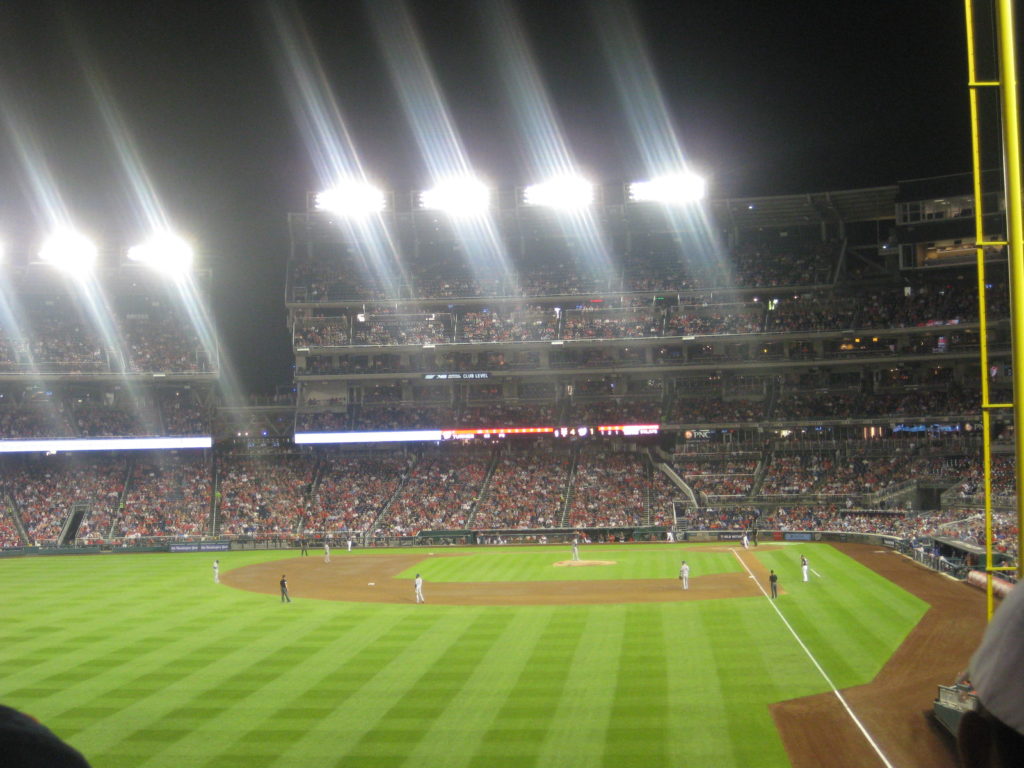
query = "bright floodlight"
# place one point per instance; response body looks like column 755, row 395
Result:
column 670, row 190
column 457, row 197
column 351, row 199
column 69, row 250
column 165, row 252
column 564, row 193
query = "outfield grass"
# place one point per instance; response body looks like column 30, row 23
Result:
column 140, row 660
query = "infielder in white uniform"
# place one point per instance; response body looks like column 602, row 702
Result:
column 746, row 541
column 684, row 574
column 575, row 549
column 216, row 571
column 419, row 589
column 327, row 552
column 350, row 544
column 804, row 566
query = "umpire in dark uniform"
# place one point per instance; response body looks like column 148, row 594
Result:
column 284, row 590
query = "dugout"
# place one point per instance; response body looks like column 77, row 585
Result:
column 963, row 554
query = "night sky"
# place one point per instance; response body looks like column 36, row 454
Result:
column 766, row 98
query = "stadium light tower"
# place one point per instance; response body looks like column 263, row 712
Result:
column 351, row 199
column 164, row 252
column 457, row 197
column 677, row 189
column 69, row 251
column 566, row 193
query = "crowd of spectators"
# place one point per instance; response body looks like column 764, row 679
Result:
column 392, row 417
column 45, row 419
column 181, row 414
column 613, row 412
column 395, row 493
column 262, row 495
column 168, row 495
column 402, row 329
column 715, row 319
column 609, row 489
column 716, row 476
column 439, row 492
column 700, row 410
column 526, row 490
column 548, row 271
column 55, row 336
column 9, row 536
column 792, row 474
column 352, row 492
column 535, row 324
column 44, row 491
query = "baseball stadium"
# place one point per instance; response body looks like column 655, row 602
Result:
column 567, row 474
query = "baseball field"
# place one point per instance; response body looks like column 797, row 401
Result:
column 518, row 658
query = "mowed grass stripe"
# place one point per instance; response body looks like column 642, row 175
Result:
column 246, row 667
column 427, row 689
column 472, row 710
column 381, row 676
column 309, row 689
column 583, row 715
column 531, row 701
column 741, row 652
column 638, row 729
column 280, row 676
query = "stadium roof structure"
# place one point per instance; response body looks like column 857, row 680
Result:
column 846, row 206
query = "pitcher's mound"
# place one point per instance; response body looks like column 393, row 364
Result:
column 576, row 563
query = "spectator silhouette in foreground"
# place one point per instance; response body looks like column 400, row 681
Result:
column 27, row 743
column 993, row 735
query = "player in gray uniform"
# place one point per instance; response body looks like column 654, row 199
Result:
column 684, row 574
column 216, row 571
column 575, row 548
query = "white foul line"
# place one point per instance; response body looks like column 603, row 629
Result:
column 814, row 661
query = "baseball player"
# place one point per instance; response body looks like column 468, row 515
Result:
column 216, row 571
column 746, row 541
column 575, row 548
column 285, row 597
column 327, row 552
column 773, row 582
column 684, row 574
column 349, row 543
column 804, row 567
column 419, row 589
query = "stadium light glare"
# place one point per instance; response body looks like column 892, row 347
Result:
column 677, row 189
column 462, row 196
column 69, row 251
column 563, row 193
column 351, row 199
column 164, row 252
